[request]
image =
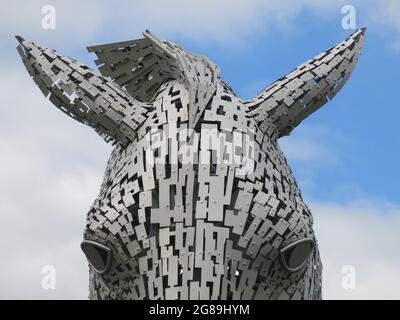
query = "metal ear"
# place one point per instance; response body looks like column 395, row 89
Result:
column 288, row 101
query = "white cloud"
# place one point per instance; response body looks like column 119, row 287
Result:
column 208, row 19
column 309, row 149
column 364, row 234
column 384, row 15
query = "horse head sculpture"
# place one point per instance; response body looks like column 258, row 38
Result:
column 197, row 201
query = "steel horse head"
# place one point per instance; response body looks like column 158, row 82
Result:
column 197, row 201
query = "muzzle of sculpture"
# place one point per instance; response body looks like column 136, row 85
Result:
column 197, row 201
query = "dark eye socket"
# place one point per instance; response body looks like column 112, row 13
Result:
column 98, row 255
column 295, row 255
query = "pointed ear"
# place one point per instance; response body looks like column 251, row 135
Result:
column 82, row 94
column 288, row 101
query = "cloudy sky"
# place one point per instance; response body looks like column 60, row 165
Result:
column 345, row 157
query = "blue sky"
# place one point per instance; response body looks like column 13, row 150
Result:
column 345, row 156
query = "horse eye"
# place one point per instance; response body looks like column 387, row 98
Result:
column 98, row 255
column 295, row 255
